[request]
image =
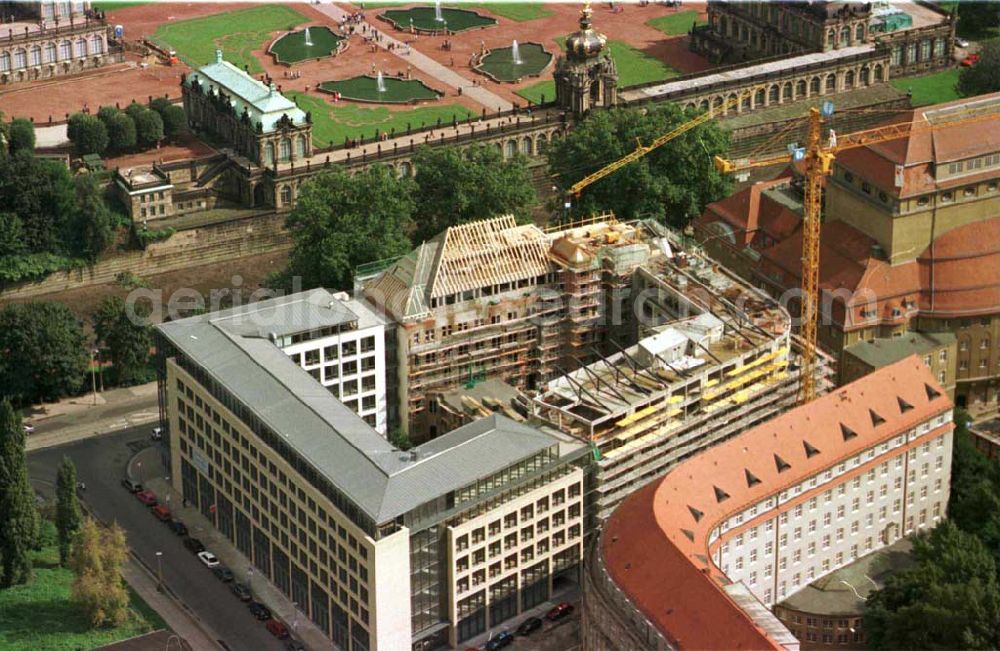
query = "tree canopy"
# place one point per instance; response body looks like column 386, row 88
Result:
column 456, row 185
column 21, row 135
column 68, row 515
column 121, row 132
column 341, row 221
column 44, row 353
column 40, row 193
column 148, row 128
column 87, row 133
column 976, row 16
column 672, row 183
column 984, row 76
column 18, row 515
column 97, row 559
column 949, row 600
column 128, row 340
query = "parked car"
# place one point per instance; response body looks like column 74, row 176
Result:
column 131, row 486
column 276, row 628
column 147, row 497
column 241, row 591
column 961, row 42
column 529, row 626
column 194, row 545
column 208, row 559
column 291, row 644
column 156, row 434
column 970, row 60
column 161, row 512
column 28, row 429
column 178, row 527
column 222, row 573
column 259, row 610
column 560, row 611
column 500, row 640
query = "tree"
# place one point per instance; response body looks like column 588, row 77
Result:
column 97, row 559
column 949, row 599
column 128, row 340
column 95, row 223
column 40, row 193
column 121, row 133
column 148, row 128
column 135, row 109
column 976, row 17
column 174, row 121
column 67, row 508
column 17, row 501
column 11, row 235
column 105, row 113
column 43, row 354
column 87, row 133
column 672, row 183
column 342, row 221
column 974, row 502
column 984, row 76
column 462, row 184
column 21, row 135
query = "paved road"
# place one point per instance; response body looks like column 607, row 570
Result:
column 100, row 464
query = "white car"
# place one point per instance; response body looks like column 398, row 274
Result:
column 209, row 559
column 961, row 42
column 156, row 434
column 29, row 429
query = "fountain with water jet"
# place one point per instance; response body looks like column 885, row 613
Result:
column 308, row 38
column 438, row 16
column 515, row 53
column 380, row 82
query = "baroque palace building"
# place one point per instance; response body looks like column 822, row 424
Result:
column 918, row 36
column 909, row 244
column 699, row 558
column 39, row 40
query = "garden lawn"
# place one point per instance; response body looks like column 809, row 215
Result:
column 634, row 68
column 332, row 124
column 675, row 24
column 517, row 11
column 930, row 89
column 109, row 6
column 40, row 615
column 237, row 33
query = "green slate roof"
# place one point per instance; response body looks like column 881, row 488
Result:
column 264, row 103
column 887, row 350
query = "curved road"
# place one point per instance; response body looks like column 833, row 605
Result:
column 100, row 464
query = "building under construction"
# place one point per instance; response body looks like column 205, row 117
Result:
column 713, row 358
column 494, row 299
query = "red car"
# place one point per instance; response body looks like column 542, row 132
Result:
column 161, row 512
column 560, row 611
column 147, row 497
column 277, row 629
column 970, row 60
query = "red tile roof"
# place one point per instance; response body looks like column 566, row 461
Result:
column 656, row 544
column 918, row 153
column 752, row 213
column 959, row 274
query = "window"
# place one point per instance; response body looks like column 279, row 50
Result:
column 20, row 59
column 285, row 149
column 4, row 61
column 65, row 50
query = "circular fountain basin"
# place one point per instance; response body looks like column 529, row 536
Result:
column 292, row 48
column 499, row 64
column 423, row 19
column 364, row 88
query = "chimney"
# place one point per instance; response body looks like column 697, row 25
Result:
column 272, row 90
column 218, row 56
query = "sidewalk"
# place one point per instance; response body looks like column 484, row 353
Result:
column 199, row 527
column 179, row 621
column 72, row 419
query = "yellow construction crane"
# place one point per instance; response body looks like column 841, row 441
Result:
column 641, row 150
column 818, row 157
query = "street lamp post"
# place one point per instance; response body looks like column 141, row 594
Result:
column 295, row 618
column 250, row 581
column 159, row 571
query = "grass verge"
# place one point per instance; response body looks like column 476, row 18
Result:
column 40, row 614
